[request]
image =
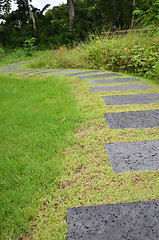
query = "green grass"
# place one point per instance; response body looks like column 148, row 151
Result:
column 32, row 140
column 87, row 177
column 17, row 55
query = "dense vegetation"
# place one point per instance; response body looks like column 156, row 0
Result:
column 132, row 53
column 52, row 29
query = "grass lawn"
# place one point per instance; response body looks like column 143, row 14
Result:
column 49, row 165
column 32, row 140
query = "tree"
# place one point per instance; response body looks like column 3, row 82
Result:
column 71, row 12
column 132, row 18
column 31, row 14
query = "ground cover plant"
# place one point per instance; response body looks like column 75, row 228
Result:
column 37, row 115
column 131, row 53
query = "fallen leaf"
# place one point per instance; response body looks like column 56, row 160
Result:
column 63, row 119
column 76, row 131
column 50, row 97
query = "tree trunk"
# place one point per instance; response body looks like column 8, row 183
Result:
column 31, row 14
column 132, row 18
column 71, row 12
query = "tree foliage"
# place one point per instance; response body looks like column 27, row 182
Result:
column 147, row 12
column 53, row 27
column 5, row 6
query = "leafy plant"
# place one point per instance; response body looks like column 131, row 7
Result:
column 148, row 12
column 29, row 46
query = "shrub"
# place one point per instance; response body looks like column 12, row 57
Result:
column 130, row 53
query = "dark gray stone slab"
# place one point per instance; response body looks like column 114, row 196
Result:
column 21, row 63
column 119, row 88
column 100, row 75
column 134, row 156
column 18, row 70
column 132, row 99
column 11, row 69
column 84, row 73
column 49, row 71
column 21, row 70
column 127, row 221
column 68, row 71
column 136, row 119
column 114, row 80
column 32, row 71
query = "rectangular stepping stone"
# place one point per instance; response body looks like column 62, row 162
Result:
column 136, row 119
column 49, row 71
column 68, row 71
column 114, row 80
column 13, row 69
column 100, row 75
column 25, row 62
column 132, row 99
column 19, row 70
column 119, row 88
column 134, row 156
column 84, row 73
column 121, row 221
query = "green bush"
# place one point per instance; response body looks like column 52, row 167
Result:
column 130, row 53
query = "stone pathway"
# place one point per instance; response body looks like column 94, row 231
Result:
column 129, row 221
